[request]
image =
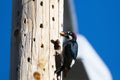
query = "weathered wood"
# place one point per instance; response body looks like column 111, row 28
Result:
column 34, row 24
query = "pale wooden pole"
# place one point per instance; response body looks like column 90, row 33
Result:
column 34, row 24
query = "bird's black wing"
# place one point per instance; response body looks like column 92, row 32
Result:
column 67, row 56
column 74, row 49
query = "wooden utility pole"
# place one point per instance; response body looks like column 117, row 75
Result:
column 35, row 23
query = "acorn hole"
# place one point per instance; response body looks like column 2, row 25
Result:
column 42, row 46
column 24, row 21
column 52, row 6
column 41, row 3
column 34, row 39
column 41, row 25
column 28, row 59
column 53, row 19
column 43, row 69
column 52, row 66
column 16, row 32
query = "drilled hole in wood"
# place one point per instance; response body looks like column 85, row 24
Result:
column 52, row 66
column 24, row 34
column 43, row 69
column 53, row 18
column 34, row 39
column 22, row 46
column 42, row 46
column 41, row 25
column 53, row 6
column 37, row 76
column 28, row 59
column 16, row 32
column 41, row 3
column 24, row 21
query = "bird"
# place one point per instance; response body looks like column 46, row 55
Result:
column 69, row 53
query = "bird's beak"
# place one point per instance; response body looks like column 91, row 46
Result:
column 62, row 33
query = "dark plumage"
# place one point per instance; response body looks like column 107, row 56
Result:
column 70, row 50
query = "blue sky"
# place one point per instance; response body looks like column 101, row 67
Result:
column 98, row 21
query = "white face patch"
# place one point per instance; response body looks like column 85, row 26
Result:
column 70, row 37
column 72, row 63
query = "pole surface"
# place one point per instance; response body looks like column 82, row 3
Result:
column 34, row 24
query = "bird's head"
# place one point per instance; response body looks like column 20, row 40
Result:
column 69, row 35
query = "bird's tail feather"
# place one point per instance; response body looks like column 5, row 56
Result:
column 58, row 71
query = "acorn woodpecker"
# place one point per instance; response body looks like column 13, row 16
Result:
column 69, row 53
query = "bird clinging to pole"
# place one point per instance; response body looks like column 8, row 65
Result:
column 69, row 53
